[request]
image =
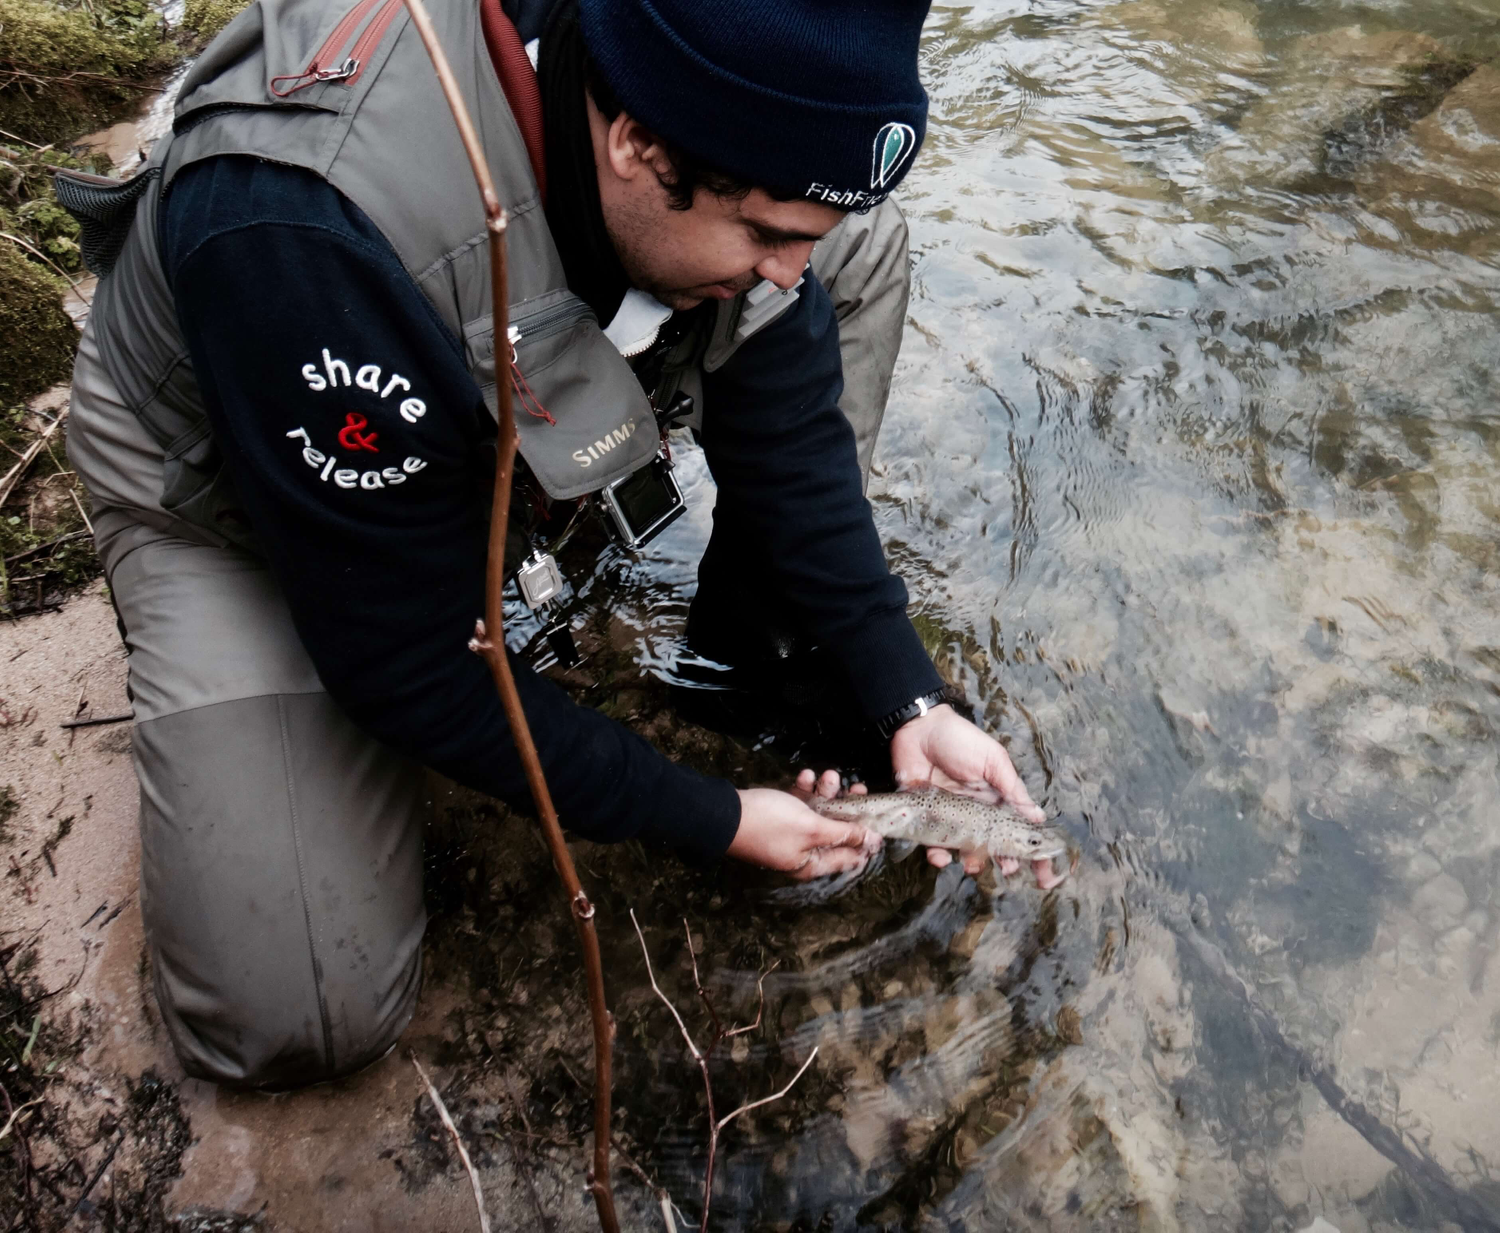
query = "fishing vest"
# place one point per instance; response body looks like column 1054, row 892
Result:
column 346, row 90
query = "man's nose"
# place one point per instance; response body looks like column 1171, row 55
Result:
column 784, row 267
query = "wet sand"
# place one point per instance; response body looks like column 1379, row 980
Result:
column 363, row 1154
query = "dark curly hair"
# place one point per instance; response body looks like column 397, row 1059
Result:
column 689, row 172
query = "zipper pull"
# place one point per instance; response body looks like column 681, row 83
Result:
column 347, row 69
column 512, row 336
column 312, row 75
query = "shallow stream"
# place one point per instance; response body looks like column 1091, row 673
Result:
column 1192, row 466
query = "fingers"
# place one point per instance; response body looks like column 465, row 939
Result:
column 830, row 833
column 830, row 860
column 826, row 785
column 1002, row 775
column 939, row 858
column 1008, row 865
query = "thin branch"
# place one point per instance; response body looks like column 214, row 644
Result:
column 490, row 635
column 463, row 1155
column 47, row 547
column 24, row 142
column 765, row 1100
column 36, row 252
column 94, row 721
column 40, row 79
column 18, row 472
column 659, row 1192
column 96, row 1175
column 713, row 1015
column 715, row 1125
column 682, row 1027
column 11, row 1121
column 82, row 513
column 760, row 990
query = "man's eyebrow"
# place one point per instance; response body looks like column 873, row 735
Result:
column 779, row 235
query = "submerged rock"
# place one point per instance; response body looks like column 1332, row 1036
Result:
column 1337, row 97
column 1451, row 155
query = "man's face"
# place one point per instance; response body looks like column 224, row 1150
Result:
column 713, row 251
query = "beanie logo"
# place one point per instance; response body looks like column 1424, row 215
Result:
column 893, row 143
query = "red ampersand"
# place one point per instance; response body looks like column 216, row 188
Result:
column 350, row 436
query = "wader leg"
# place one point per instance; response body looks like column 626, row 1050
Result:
column 281, row 874
column 863, row 265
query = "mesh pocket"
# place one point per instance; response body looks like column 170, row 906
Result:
column 105, row 210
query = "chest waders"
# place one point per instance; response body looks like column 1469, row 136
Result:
column 281, row 874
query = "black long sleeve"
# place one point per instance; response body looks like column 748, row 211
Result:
column 361, row 451
column 783, row 457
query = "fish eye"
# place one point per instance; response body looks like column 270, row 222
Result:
column 1035, row 839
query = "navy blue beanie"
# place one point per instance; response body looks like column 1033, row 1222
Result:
column 819, row 98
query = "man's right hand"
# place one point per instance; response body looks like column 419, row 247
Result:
column 777, row 831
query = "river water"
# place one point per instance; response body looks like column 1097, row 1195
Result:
column 1192, row 465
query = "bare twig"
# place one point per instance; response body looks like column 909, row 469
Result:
column 463, row 1155
column 82, row 513
column 10, row 1121
column 23, row 141
column 40, row 549
column 97, row 1174
column 39, row 79
column 96, row 720
column 765, row 1100
column 760, row 991
column 18, row 472
column 650, row 975
column 715, row 1126
column 658, row 1191
column 36, row 252
column 489, row 639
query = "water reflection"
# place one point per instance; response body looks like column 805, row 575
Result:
column 1191, row 465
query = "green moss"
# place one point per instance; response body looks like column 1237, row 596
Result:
column 39, row 336
column 64, row 70
column 206, row 18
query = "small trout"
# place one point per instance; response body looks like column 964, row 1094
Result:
column 939, row 819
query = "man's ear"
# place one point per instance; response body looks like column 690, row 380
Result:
column 632, row 149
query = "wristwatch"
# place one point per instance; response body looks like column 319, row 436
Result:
column 916, row 707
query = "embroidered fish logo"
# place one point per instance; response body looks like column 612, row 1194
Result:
column 893, row 143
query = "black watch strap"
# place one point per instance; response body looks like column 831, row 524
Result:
column 902, row 714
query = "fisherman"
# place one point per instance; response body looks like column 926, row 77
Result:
column 284, row 413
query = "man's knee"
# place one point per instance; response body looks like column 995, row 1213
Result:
column 236, row 1035
column 281, row 886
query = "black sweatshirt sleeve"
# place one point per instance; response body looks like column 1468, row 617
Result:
column 361, row 452
column 783, row 453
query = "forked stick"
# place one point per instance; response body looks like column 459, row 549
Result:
column 489, row 639
column 701, row 1056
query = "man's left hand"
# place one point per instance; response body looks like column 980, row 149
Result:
column 944, row 749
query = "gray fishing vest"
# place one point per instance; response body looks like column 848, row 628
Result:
column 346, row 90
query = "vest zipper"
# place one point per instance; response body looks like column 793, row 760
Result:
column 547, row 321
column 322, row 67
column 370, row 39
